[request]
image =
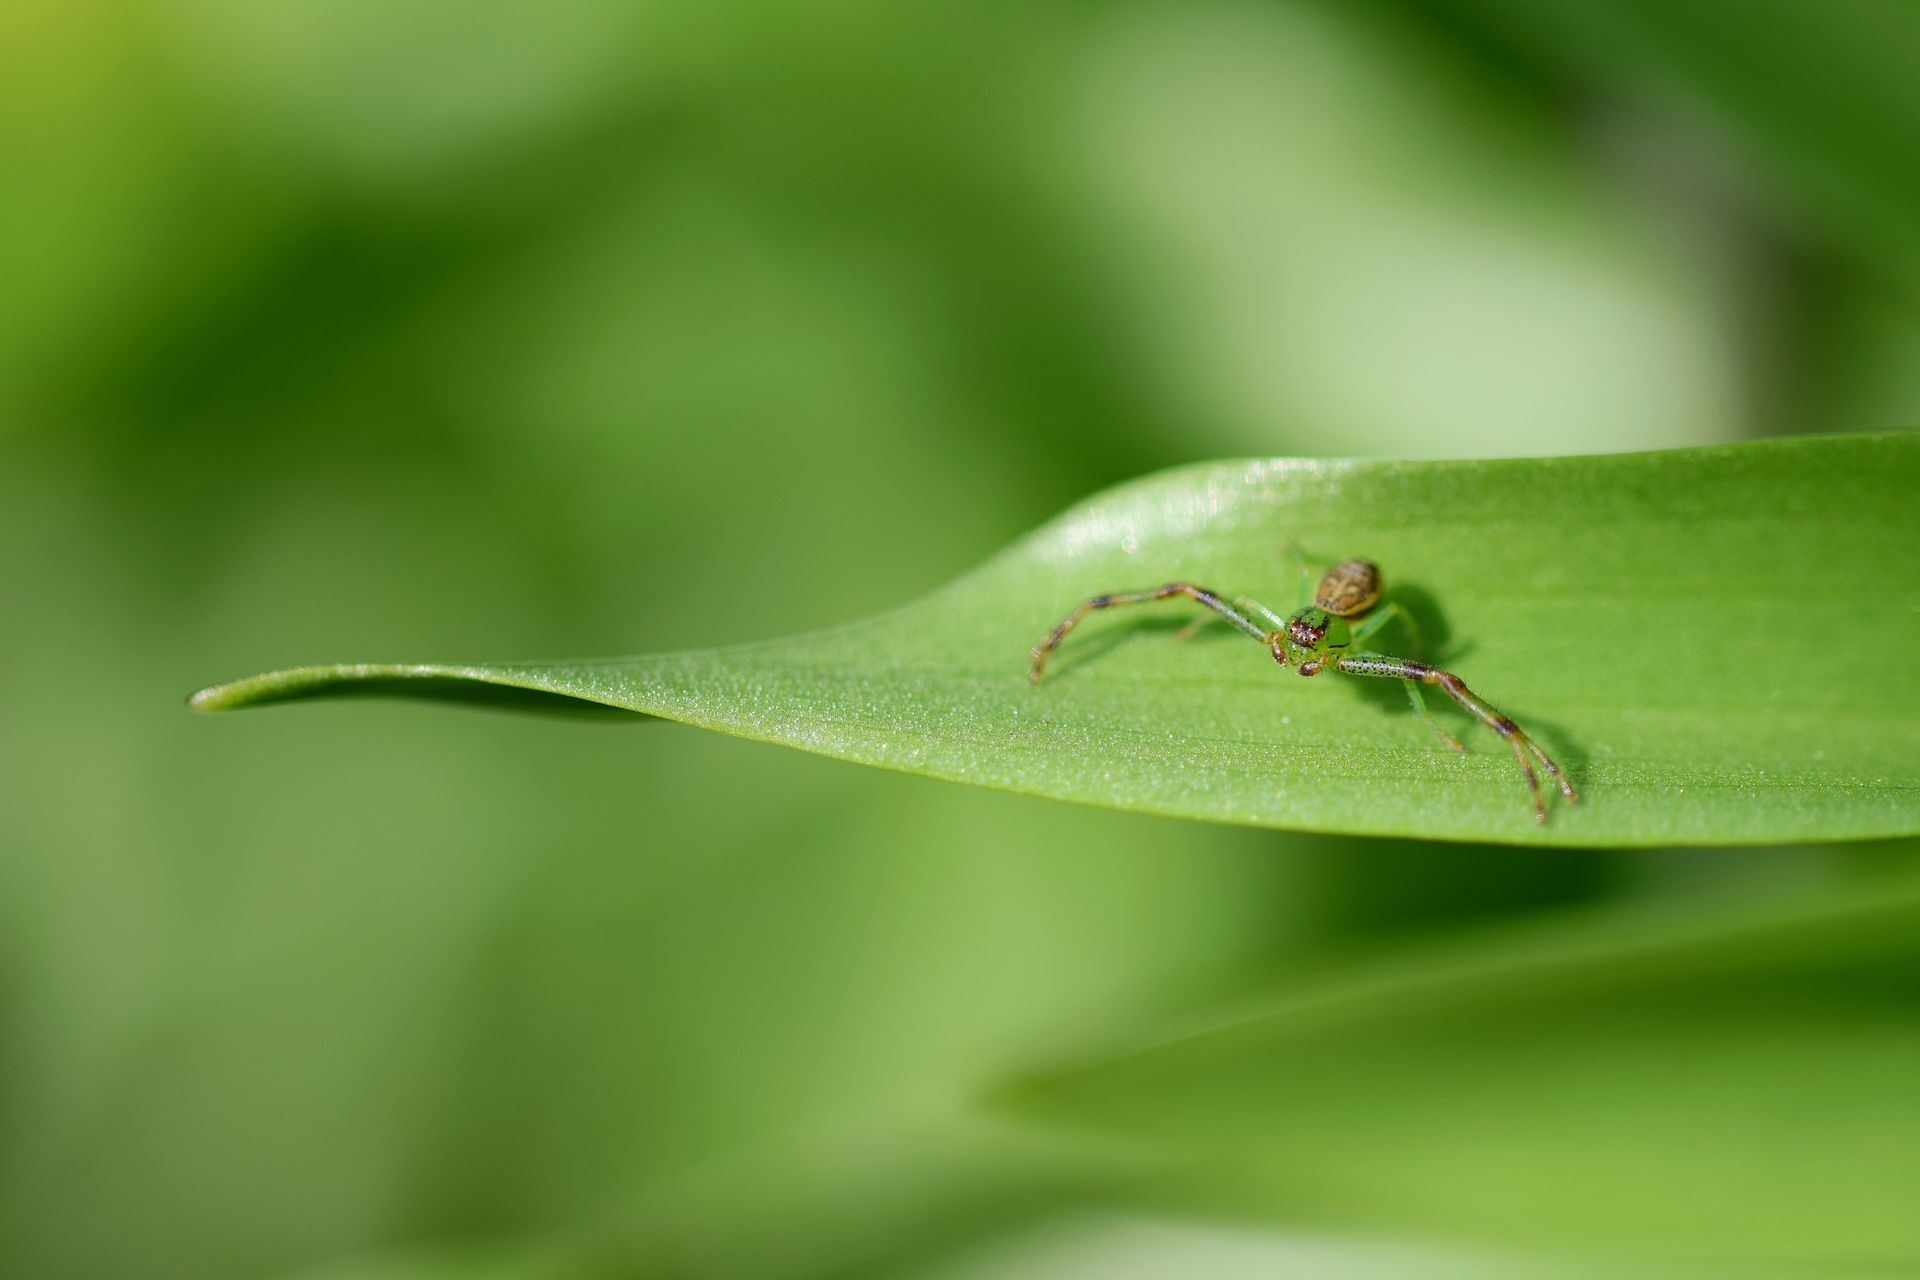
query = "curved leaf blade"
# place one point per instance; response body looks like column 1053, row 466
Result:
column 1744, row 1089
column 1717, row 643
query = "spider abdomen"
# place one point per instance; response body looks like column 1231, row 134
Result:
column 1349, row 589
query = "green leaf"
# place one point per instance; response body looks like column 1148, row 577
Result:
column 1718, row 644
column 1744, row 1091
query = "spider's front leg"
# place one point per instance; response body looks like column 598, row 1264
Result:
column 1394, row 612
column 1370, row 664
column 1199, row 595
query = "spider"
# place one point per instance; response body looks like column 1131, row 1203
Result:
column 1319, row 636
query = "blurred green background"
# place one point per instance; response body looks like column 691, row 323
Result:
column 341, row 329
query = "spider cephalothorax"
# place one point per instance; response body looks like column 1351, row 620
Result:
column 1312, row 637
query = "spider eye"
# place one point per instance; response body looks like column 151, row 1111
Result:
column 1307, row 628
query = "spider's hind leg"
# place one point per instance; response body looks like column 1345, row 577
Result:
column 1307, row 574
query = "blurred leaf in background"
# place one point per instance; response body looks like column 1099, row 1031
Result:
column 1630, row 1086
column 354, row 328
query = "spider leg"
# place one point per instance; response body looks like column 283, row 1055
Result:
column 1307, row 576
column 1533, row 785
column 1247, row 605
column 1373, row 664
column 1251, row 605
column 1199, row 595
column 1388, row 613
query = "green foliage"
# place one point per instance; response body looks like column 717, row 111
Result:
column 344, row 329
column 1640, row 1085
column 1712, row 641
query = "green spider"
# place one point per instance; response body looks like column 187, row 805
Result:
column 1318, row 636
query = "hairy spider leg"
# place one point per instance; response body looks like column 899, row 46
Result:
column 1456, row 688
column 1254, row 606
column 1387, row 613
column 1246, row 604
column 1199, row 595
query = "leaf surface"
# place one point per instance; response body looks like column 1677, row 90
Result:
column 1747, row 1088
column 1718, row 644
